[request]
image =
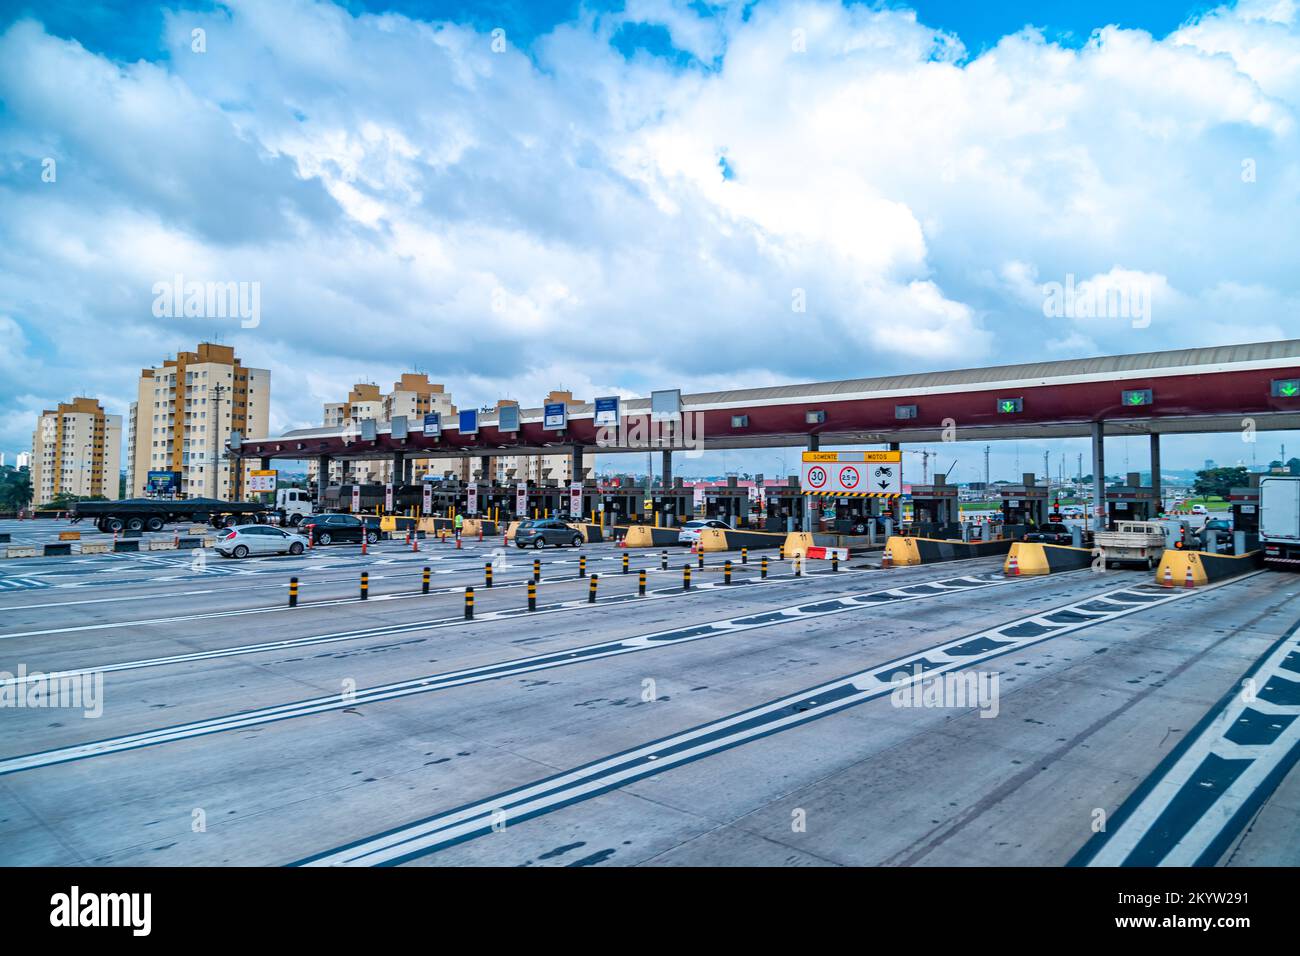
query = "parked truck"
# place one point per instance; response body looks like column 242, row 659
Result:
column 1279, row 520
column 151, row 514
column 1141, row 542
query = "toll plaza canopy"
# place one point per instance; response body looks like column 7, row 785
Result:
column 1221, row 389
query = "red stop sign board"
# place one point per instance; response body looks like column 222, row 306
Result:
column 849, row 477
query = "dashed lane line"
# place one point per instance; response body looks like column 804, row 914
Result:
column 435, row 682
column 1203, row 794
column 473, row 820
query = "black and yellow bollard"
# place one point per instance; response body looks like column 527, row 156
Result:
column 798, row 566
column 591, row 591
column 780, row 553
column 532, row 595
column 537, row 570
column 582, row 566
column 487, row 574
column 726, row 573
column 424, row 581
column 625, row 564
column 701, row 560
column 686, row 577
column 663, row 560
column 469, row 604
column 744, row 555
column 640, row 583
column 763, row 568
column 293, row 592
column 365, row 585
column 835, row 562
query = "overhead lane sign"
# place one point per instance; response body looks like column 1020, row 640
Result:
column 853, row 474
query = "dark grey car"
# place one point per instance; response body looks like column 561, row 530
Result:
column 539, row 532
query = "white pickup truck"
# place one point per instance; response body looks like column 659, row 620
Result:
column 1132, row 541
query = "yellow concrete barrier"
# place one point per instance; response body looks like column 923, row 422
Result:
column 471, row 528
column 903, row 552
column 714, row 539
column 640, row 536
column 511, row 529
column 1179, row 562
column 798, row 543
column 1026, row 558
column 69, row 535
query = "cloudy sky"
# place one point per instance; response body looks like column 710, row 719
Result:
column 610, row 198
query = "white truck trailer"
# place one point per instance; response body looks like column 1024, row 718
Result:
column 1279, row 520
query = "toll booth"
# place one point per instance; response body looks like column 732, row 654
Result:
column 784, row 510
column 448, row 496
column 1245, row 507
column 1131, row 501
column 673, row 506
column 546, row 498
column 729, row 503
column 496, row 501
column 935, row 510
column 621, row 504
column 1024, row 506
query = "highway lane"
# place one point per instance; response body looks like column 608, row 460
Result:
column 395, row 751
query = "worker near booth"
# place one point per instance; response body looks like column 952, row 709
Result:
column 459, row 522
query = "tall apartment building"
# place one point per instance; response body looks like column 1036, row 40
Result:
column 413, row 396
column 76, row 450
column 183, row 415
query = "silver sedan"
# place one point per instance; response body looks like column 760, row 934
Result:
column 245, row 539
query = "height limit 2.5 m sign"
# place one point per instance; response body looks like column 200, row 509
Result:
column 853, row 472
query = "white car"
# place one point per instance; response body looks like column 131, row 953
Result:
column 690, row 533
column 245, row 539
column 1200, row 510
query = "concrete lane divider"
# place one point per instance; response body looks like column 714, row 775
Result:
column 646, row 536
column 62, row 548
column 1202, row 567
column 796, row 543
column 69, row 535
column 909, row 550
column 591, row 533
column 96, row 547
column 20, row 551
column 1026, row 558
column 126, row 546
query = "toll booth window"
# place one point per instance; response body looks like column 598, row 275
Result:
column 904, row 411
column 1286, row 388
column 1010, row 406
column 814, row 418
column 1134, row 397
column 739, row 421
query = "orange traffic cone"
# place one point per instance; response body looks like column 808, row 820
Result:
column 1188, row 582
column 887, row 560
column 363, row 541
column 1013, row 565
column 1168, row 581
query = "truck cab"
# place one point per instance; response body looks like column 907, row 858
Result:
column 294, row 503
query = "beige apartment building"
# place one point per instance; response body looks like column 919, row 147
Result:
column 183, row 415
column 413, row 396
column 76, row 450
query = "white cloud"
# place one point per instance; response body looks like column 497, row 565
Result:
column 388, row 181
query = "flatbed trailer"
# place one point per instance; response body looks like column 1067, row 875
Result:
column 152, row 514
